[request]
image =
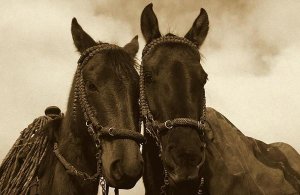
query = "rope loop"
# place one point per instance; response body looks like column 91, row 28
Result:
column 168, row 124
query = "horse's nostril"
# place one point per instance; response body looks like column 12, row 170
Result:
column 125, row 174
column 136, row 170
column 116, row 170
column 170, row 147
column 192, row 177
column 120, row 171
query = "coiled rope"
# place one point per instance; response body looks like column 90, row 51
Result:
column 19, row 167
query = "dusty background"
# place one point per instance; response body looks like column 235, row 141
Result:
column 251, row 56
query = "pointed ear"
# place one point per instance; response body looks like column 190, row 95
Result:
column 149, row 24
column 81, row 39
column 199, row 30
column 133, row 47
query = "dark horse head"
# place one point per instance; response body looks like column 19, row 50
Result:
column 110, row 85
column 174, row 88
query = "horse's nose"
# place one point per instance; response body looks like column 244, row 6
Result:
column 116, row 170
column 126, row 174
column 189, row 178
column 184, row 157
column 184, row 180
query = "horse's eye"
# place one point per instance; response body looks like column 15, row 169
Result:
column 91, row 87
column 148, row 76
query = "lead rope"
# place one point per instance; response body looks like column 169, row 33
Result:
column 164, row 187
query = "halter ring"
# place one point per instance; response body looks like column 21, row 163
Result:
column 88, row 123
column 200, row 124
column 110, row 131
column 168, row 126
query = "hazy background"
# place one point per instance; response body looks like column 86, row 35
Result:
column 251, row 56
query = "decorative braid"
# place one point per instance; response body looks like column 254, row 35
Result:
column 144, row 107
column 79, row 88
column 167, row 39
column 71, row 169
column 122, row 133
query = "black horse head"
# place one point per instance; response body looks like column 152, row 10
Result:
column 111, row 84
column 174, row 88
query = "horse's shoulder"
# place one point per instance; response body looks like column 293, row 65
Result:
column 290, row 153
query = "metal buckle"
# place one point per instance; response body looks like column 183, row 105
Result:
column 168, row 126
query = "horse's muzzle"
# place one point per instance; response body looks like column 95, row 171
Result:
column 125, row 178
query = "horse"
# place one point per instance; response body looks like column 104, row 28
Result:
column 172, row 101
column 98, row 138
column 191, row 148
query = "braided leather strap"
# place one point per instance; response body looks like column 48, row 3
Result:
column 167, row 39
column 185, row 122
column 122, row 134
column 71, row 169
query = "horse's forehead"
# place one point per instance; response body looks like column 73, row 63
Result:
column 173, row 53
column 97, row 61
column 103, row 67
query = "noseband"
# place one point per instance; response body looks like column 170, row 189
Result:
column 154, row 127
column 94, row 128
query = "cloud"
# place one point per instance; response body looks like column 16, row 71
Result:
column 251, row 56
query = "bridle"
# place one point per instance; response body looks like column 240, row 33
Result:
column 94, row 128
column 154, row 127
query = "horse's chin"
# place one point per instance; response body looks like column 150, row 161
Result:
column 184, row 184
column 121, row 184
column 184, row 177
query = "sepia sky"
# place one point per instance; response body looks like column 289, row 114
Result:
column 251, row 56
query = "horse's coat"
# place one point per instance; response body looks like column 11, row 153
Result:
column 173, row 85
column 104, row 89
column 242, row 165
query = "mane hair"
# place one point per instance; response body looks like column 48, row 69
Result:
column 121, row 61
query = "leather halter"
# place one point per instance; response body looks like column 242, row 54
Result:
column 94, row 128
column 154, row 127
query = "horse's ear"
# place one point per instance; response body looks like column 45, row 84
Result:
column 199, row 30
column 149, row 24
column 133, row 47
column 81, row 39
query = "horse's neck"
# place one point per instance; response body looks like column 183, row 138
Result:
column 75, row 150
column 153, row 169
